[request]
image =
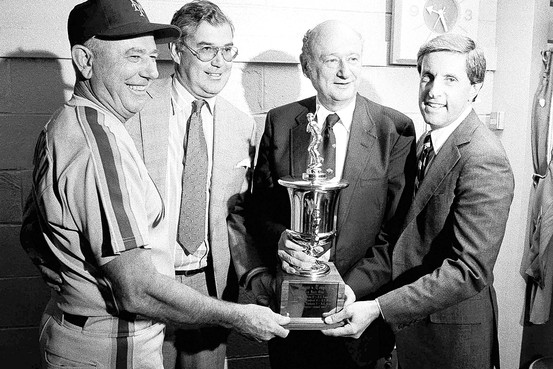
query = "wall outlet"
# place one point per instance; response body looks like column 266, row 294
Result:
column 497, row 120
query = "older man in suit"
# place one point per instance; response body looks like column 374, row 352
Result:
column 223, row 254
column 444, row 305
column 374, row 153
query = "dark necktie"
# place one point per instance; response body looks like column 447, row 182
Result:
column 426, row 155
column 191, row 232
column 328, row 149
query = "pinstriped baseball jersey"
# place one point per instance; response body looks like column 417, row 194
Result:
column 96, row 200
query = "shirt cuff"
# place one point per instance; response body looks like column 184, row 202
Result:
column 379, row 309
column 252, row 273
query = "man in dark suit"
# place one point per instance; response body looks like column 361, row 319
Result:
column 443, row 303
column 374, row 153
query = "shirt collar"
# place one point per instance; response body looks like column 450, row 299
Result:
column 183, row 99
column 440, row 135
column 77, row 100
column 345, row 114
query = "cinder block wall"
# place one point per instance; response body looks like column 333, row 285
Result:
column 36, row 77
column 30, row 89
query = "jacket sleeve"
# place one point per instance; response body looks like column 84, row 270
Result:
column 373, row 272
column 244, row 254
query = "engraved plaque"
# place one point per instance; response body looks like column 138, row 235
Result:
column 305, row 299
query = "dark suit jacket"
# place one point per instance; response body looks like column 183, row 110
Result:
column 444, row 305
column 380, row 160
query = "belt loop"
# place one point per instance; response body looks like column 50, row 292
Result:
column 188, row 273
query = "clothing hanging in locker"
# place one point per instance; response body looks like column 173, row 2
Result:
column 537, row 261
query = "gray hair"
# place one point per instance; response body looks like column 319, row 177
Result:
column 306, row 52
column 96, row 46
column 189, row 17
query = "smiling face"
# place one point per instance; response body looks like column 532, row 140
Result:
column 203, row 79
column 122, row 70
column 445, row 90
column 334, row 65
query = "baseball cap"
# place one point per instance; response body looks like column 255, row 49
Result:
column 115, row 20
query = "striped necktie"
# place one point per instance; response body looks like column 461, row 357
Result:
column 426, row 155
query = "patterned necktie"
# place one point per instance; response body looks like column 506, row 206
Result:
column 328, row 149
column 426, row 155
column 191, row 232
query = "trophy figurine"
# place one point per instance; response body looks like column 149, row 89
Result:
column 307, row 294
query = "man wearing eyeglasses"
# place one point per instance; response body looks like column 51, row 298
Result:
column 204, row 180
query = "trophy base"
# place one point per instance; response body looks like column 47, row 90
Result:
column 305, row 298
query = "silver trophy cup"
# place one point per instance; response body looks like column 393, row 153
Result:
column 313, row 210
column 307, row 294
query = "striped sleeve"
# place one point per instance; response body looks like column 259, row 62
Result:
column 118, row 184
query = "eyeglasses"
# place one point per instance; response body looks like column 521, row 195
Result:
column 208, row 53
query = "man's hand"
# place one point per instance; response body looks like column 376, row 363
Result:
column 52, row 278
column 260, row 323
column 292, row 255
column 263, row 289
column 350, row 299
column 350, row 296
column 358, row 316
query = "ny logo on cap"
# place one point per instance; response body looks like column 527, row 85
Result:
column 137, row 7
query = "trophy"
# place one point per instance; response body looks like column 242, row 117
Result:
column 307, row 294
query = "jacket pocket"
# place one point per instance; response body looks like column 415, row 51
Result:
column 244, row 163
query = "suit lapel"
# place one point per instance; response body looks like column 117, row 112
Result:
column 154, row 121
column 362, row 138
column 300, row 138
column 223, row 136
column 442, row 164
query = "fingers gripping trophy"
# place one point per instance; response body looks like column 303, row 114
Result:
column 307, row 294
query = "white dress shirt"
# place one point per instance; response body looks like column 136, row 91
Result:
column 440, row 135
column 182, row 108
column 341, row 130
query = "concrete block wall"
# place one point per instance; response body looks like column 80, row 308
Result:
column 36, row 77
column 31, row 89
